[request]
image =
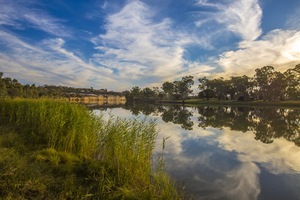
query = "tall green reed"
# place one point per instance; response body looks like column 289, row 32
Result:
column 56, row 124
column 116, row 154
column 127, row 145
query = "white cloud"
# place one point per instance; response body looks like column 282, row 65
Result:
column 278, row 48
column 241, row 183
column 50, row 63
column 242, row 17
column 19, row 14
column 141, row 48
column 280, row 157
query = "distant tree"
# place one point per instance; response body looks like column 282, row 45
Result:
column 148, row 94
column 3, row 90
column 183, row 87
column 135, row 93
column 242, row 86
column 270, row 84
column 219, row 85
column 292, row 79
column 158, row 94
column 205, row 87
column 168, row 89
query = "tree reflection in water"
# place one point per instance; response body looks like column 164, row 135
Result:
column 266, row 123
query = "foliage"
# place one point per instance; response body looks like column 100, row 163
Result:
column 267, row 84
column 12, row 88
column 168, row 88
column 183, row 87
column 54, row 124
column 58, row 150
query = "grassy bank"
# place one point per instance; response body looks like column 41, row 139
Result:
column 235, row 103
column 58, row 150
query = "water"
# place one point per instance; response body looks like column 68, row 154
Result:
column 227, row 152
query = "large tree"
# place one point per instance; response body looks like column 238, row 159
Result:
column 205, row 88
column 242, row 86
column 292, row 77
column 270, row 83
column 168, row 88
column 183, row 87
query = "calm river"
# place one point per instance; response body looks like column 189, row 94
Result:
column 227, row 152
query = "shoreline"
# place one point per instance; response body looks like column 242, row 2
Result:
column 195, row 102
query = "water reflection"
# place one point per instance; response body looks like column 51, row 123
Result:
column 266, row 123
column 228, row 153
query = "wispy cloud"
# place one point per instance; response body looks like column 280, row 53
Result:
column 293, row 21
column 50, row 63
column 138, row 45
column 241, row 17
column 20, row 15
column 140, row 48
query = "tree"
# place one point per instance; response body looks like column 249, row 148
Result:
column 148, row 94
column 277, row 86
column 3, row 90
column 168, row 89
column 242, row 87
column 219, row 86
column 135, row 93
column 292, row 79
column 183, row 87
column 270, row 84
column 263, row 80
column 204, row 86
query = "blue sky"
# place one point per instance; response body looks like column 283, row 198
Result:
column 117, row 44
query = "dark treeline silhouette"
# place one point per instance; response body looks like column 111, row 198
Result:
column 266, row 84
column 266, row 123
column 12, row 88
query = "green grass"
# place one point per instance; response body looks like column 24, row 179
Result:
column 59, row 150
column 55, row 124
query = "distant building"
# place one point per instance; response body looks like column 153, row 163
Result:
column 102, row 99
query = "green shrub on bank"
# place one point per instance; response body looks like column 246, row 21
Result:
column 58, row 150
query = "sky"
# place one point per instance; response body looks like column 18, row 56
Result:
column 119, row 44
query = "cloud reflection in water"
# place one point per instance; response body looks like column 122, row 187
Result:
column 226, row 164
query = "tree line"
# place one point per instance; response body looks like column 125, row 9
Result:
column 266, row 84
column 13, row 88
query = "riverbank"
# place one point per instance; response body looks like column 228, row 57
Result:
column 194, row 102
column 61, row 150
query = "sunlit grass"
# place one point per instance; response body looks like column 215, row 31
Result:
column 59, row 150
column 56, row 124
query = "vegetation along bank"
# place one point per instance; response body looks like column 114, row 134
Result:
column 52, row 149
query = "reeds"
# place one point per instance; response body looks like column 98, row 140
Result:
column 55, row 124
column 76, row 154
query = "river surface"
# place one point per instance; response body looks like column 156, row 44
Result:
column 227, row 152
